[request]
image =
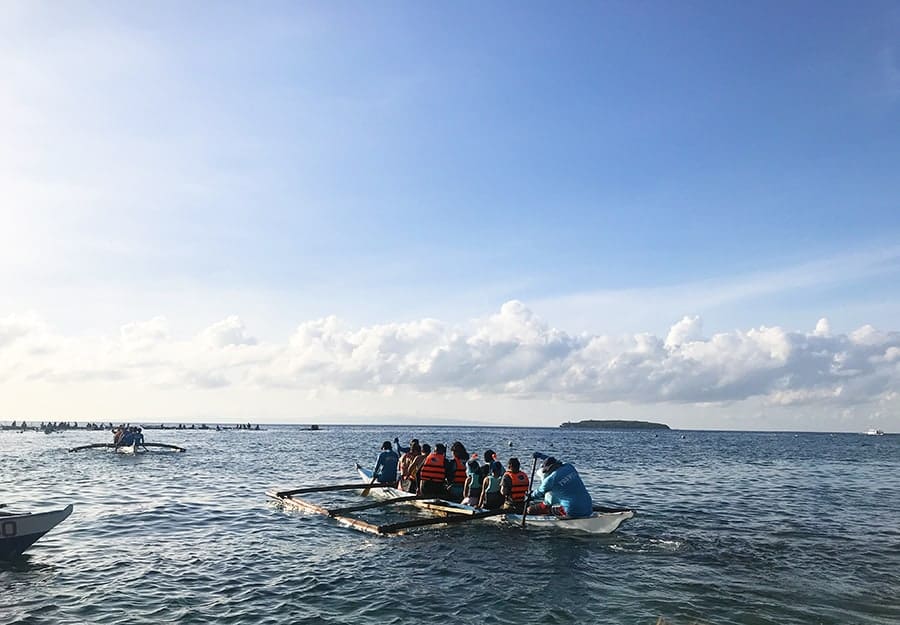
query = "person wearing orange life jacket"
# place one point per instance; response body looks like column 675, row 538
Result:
column 458, row 481
column 514, row 486
column 435, row 473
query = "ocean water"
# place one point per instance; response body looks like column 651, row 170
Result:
column 731, row 528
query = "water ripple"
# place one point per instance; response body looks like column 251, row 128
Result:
column 731, row 528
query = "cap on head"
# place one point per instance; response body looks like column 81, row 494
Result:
column 550, row 465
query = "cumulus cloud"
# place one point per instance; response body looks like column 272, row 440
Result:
column 823, row 328
column 228, row 332
column 145, row 334
column 687, row 330
column 16, row 327
column 512, row 353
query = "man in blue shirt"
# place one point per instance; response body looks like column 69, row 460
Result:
column 567, row 492
column 385, row 471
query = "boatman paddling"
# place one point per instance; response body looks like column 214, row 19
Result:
column 563, row 487
column 385, row 471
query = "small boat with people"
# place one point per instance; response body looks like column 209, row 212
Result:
column 604, row 520
column 873, row 432
column 18, row 531
column 129, row 440
column 458, row 488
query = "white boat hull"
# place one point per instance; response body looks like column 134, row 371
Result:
column 597, row 523
column 19, row 531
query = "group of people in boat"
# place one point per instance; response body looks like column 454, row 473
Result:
column 125, row 436
column 51, row 426
column 460, row 477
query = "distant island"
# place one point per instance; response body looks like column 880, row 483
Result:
column 593, row 424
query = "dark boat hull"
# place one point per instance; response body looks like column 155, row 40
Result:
column 19, row 531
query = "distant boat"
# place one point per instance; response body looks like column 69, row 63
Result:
column 873, row 432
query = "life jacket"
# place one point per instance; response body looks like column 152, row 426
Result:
column 519, row 485
column 460, row 476
column 493, row 484
column 434, row 469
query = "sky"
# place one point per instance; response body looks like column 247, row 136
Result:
column 398, row 212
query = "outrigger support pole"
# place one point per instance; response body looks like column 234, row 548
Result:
column 339, row 512
column 322, row 489
column 92, row 446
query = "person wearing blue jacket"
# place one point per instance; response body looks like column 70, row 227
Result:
column 385, row 471
column 567, row 492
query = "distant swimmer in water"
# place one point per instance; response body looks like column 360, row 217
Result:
column 385, row 471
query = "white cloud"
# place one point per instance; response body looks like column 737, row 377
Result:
column 226, row 333
column 15, row 327
column 511, row 354
column 685, row 331
column 145, row 334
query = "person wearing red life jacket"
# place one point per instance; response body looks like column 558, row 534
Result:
column 435, row 473
column 514, row 486
column 458, row 480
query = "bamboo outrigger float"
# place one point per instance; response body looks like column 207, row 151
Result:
column 288, row 498
column 134, row 448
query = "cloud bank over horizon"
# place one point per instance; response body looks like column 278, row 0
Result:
column 511, row 354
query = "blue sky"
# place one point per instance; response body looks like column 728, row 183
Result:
column 614, row 166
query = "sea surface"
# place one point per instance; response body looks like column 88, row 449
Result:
column 751, row 528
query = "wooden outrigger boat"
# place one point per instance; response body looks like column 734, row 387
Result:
column 19, row 531
column 135, row 448
column 603, row 521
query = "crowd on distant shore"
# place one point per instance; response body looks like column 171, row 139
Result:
column 61, row 426
column 56, row 426
column 461, row 478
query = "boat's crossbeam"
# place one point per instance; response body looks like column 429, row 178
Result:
column 340, row 514
column 327, row 488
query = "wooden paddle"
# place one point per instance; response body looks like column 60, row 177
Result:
column 530, row 488
column 365, row 492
